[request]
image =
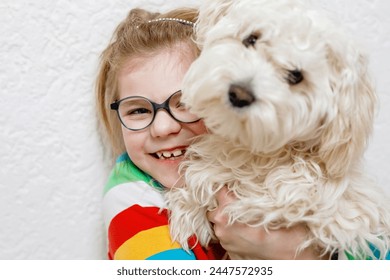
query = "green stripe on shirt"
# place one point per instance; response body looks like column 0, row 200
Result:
column 125, row 171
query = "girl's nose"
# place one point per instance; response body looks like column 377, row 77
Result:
column 164, row 125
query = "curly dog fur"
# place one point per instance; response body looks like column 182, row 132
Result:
column 290, row 106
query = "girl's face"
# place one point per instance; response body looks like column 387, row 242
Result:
column 156, row 78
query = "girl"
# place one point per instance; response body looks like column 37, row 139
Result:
column 138, row 95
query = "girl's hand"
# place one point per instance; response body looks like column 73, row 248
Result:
column 246, row 242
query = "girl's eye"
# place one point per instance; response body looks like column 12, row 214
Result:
column 175, row 102
column 251, row 40
column 138, row 111
column 180, row 105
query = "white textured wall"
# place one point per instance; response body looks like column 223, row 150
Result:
column 52, row 168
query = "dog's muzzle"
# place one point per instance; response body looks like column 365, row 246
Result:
column 240, row 96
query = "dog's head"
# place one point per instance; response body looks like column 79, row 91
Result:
column 274, row 73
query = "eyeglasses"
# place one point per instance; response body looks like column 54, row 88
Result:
column 137, row 112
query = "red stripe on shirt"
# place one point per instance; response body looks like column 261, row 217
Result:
column 131, row 221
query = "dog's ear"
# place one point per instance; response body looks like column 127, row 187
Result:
column 345, row 138
column 210, row 12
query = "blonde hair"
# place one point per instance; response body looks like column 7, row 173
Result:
column 136, row 36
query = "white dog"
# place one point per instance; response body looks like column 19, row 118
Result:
column 289, row 105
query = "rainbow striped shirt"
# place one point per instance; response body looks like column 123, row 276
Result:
column 135, row 218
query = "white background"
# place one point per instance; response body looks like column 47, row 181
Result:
column 52, row 168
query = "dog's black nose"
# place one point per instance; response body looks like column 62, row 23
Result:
column 240, row 96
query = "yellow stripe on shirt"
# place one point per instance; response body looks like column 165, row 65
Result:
column 145, row 244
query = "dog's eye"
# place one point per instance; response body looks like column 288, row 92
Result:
column 294, row 77
column 250, row 40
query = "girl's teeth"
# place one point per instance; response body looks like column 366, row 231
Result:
column 175, row 153
column 167, row 154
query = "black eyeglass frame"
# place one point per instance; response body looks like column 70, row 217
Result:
column 156, row 106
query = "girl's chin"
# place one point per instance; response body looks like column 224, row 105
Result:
column 170, row 183
column 168, row 174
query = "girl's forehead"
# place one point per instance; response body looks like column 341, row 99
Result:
column 169, row 60
column 181, row 52
column 152, row 76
